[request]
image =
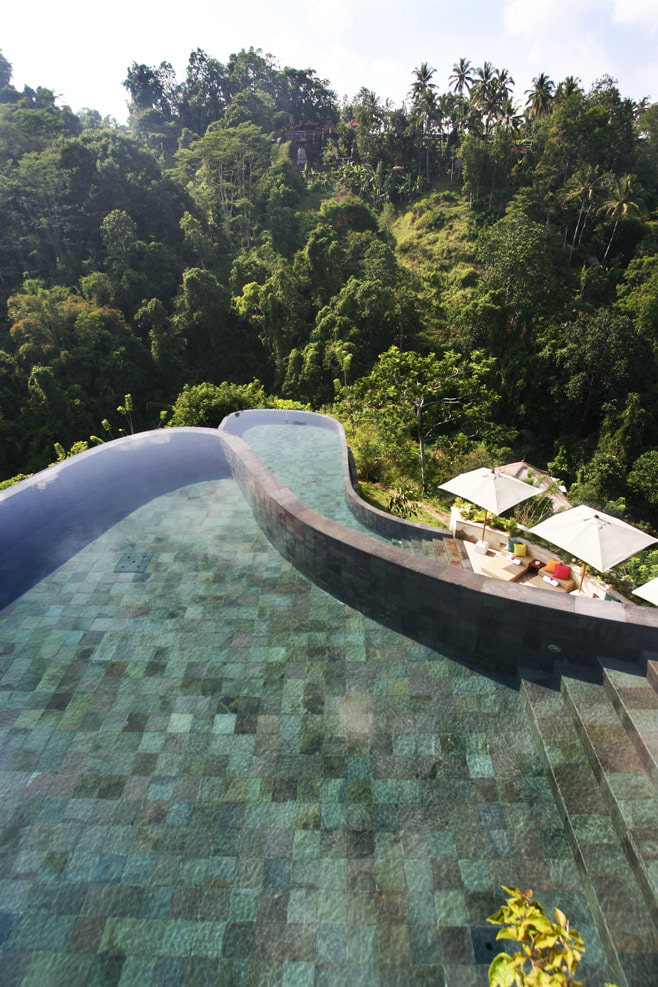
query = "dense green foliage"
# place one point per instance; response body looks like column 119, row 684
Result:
column 460, row 279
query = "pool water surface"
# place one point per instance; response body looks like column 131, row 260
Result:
column 214, row 773
column 307, row 460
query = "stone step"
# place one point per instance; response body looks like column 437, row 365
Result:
column 630, row 938
column 629, row 792
column 635, row 698
column 444, row 550
column 418, row 546
column 452, row 550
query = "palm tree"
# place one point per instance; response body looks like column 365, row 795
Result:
column 490, row 91
column 423, row 118
column 505, row 81
column 510, row 118
column 585, row 188
column 491, row 101
column 422, row 83
column 423, row 106
column 570, row 85
column 484, row 73
column 461, row 77
column 484, row 76
column 641, row 107
column 621, row 204
column 540, row 97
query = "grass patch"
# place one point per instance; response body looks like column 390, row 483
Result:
column 380, row 496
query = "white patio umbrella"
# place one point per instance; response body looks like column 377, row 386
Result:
column 597, row 539
column 648, row 591
column 496, row 492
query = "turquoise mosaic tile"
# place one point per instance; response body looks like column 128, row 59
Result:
column 212, row 772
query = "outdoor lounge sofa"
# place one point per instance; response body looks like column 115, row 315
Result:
column 563, row 585
column 554, row 575
column 502, row 567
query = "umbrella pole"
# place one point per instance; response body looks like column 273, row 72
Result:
column 484, row 524
column 582, row 576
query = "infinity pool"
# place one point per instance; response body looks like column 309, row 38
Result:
column 214, row 773
column 307, row 461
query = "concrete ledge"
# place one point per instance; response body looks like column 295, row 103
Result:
column 484, row 622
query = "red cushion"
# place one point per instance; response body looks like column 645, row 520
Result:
column 562, row 571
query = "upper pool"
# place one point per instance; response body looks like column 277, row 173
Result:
column 307, row 460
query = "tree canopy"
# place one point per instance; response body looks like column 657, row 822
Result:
column 470, row 275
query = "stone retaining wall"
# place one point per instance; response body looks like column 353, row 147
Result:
column 492, row 625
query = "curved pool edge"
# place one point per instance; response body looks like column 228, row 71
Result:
column 488, row 624
column 370, row 517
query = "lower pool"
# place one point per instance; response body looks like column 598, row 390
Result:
column 214, row 773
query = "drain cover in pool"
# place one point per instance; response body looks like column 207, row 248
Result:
column 134, row 562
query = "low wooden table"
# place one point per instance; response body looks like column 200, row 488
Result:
column 536, row 564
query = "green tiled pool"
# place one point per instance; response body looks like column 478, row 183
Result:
column 214, row 773
column 306, row 459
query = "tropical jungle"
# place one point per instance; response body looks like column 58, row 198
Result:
column 468, row 278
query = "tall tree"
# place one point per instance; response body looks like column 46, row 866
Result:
column 586, row 187
column 540, row 98
column 427, row 395
column 462, row 77
column 623, row 203
column 423, row 108
column 152, row 88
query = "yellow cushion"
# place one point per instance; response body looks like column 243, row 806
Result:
column 520, row 548
column 550, row 565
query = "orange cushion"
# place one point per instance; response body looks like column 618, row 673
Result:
column 550, row 565
column 562, row 571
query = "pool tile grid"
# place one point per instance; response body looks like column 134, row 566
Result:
column 212, row 772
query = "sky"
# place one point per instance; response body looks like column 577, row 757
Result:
column 82, row 52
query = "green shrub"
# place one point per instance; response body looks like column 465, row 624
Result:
column 205, row 405
column 549, row 952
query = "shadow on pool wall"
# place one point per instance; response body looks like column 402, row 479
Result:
column 49, row 517
column 489, row 624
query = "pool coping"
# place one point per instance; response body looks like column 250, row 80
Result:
column 466, row 616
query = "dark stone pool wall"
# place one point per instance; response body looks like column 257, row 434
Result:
column 489, row 624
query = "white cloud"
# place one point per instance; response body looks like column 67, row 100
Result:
column 566, row 37
column 637, row 13
column 646, row 74
column 334, row 26
column 543, row 19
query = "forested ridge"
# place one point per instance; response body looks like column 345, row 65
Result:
column 469, row 277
